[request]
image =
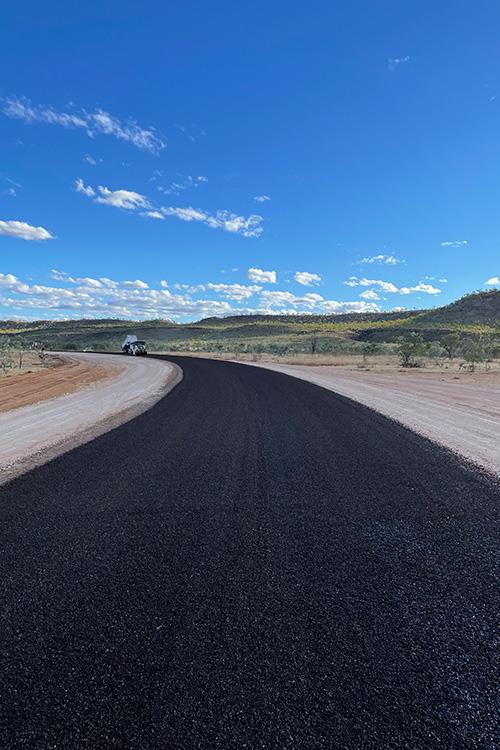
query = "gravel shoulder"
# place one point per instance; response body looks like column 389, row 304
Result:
column 464, row 417
column 84, row 397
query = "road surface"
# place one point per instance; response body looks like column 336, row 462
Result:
column 126, row 386
column 464, row 417
column 255, row 562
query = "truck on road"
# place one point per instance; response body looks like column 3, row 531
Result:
column 133, row 346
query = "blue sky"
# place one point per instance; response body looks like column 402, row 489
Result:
column 190, row 159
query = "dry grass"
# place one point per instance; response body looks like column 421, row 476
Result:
column 31, row 362
column 455, row 369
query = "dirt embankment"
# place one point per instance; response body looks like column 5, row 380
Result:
column 58, row 376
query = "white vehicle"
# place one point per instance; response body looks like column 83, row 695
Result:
column 133, row 346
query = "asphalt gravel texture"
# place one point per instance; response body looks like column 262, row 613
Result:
column 255, row 562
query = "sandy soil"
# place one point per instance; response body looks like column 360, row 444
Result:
column 33, row 434
column 62, row 374
column 463, row 416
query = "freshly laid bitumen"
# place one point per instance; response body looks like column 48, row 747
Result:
column 255, row 562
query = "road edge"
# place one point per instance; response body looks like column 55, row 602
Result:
column 88, row 434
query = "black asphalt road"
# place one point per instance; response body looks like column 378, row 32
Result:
column 253, row 563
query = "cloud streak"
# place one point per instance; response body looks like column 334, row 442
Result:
column 130, row 200
column 98, row 122
column 387, row 260
column 395, row 62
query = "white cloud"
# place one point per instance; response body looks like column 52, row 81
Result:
column 90, row 159
column 102, row 297
column 339, row 308
column 87, row 190
column 259, row 276
column 137, row 284
column 126, row 199
column 420, row 287
column 306, row 278
column 494, row 281
column 175, row 188
column 261, row 198
column 384, row 286
column 249, row 226
column 390, row 288
column 369, row 294
column 394, row 62
column 24, row 231
column 388, row 260
column 234, row 291
column 454, row 243
column 93, row 123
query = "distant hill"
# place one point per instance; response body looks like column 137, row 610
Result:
column 473, row 314
column 478, row 308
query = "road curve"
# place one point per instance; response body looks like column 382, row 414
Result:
column 255, row 562
column 33, row 434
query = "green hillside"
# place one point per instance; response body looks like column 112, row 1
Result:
column 473, row 315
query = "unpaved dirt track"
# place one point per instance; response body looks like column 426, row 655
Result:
column 254, row 562
column 464, row 417
column 124, row 387
column 67, row 374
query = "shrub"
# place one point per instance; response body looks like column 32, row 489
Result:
column 409, row 348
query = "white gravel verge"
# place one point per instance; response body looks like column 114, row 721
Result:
column 464, row 417
column 32, row 435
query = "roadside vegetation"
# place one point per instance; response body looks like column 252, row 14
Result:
column 467, row 330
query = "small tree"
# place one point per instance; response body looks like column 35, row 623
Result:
column 409, row 348
column 6, row 360
column 20, row 347
column 473, row 353
column 451, row 344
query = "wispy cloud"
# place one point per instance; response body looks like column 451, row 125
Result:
column 387, row 260
column 98, row 122
column 246, row 226
column 175, row 188
column 261, row 198
column 91, row 160
column 306, row 278
column 454, row 243
column 24, row 231
column 259, row 276
column 192, row 132
column 126, row 199
column 395, row 62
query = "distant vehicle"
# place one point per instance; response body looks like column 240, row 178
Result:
column 133, row 346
